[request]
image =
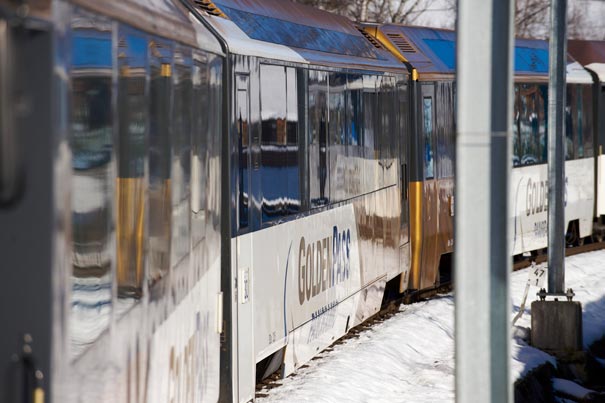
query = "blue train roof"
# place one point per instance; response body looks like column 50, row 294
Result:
column 432, row 50
column 263, row 26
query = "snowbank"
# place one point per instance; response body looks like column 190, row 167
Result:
column 410, row 357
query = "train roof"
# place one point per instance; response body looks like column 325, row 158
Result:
column 591, row 54
column 283, row 30
column 166, row 18
column 432, row 51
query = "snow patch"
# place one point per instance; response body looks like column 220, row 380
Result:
column 410, row 357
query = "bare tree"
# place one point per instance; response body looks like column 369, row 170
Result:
column 532, row 18
column 397, row 11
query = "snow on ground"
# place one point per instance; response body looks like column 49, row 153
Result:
column 410, row 357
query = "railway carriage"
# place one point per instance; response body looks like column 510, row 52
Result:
column 110, row 202
column 432, row 52
column 591, row 54
column 318, row 150
column 217, row 190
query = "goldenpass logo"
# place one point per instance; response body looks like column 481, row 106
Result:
column 323, row 263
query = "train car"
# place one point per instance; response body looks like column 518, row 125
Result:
column 319, row 220
column 591, row 54
column 110, row 202
column 432, row 52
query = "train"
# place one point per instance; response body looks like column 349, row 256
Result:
column 197, row 194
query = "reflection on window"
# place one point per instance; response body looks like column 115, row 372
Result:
column 337, row 130
column 587, row 121
column 160, row 194
column 530, row 141
column 199, row 154
column 428, row 137
column 293, row 199
column 318, row 132
column 390, row 143
column 371, row 133
column 130, row 192
column 279, row 142
column 444, row 130
column 91, row 141
column 243, row 145
column 355, row 136
column 181, row 155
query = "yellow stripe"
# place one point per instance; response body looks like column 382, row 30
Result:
column 416, row 190
column 39, row 395
column 414, row 74
column 166, row 70
column 130, row 194
column 384, row 41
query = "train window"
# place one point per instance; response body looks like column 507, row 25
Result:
column 302, row 84
column 319, row 182
column 242, row 122
column 199, row 152
column 542, row 116
column 354, row 110
column 587, row 121
column 445, row 130
column 570, row 122
column 133, row 114
column 370, row 132
column 427, row 108
column 390, row 142
column 160, row 139
column 214, row 142
column 292, row 202
column 516, row 129
column 93, row 148
column 532, row 124
column 274, row 142
column 379, row 133
column 181, row 155
column 337, row 129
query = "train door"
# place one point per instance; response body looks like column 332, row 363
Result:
column 404, row 138
column 35, row 190
column 430, row 197
column 243, row 249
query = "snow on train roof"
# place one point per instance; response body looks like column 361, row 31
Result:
column 289, row 31
column 591, row 54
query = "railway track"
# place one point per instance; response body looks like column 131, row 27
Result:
column 542, row 256
column 390, row 309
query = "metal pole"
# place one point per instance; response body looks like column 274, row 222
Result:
column 556, row 136
column 483, row 165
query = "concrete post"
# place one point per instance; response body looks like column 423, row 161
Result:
column 483, row 165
